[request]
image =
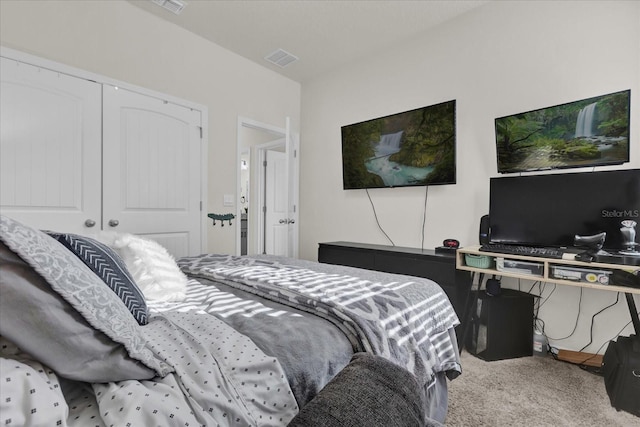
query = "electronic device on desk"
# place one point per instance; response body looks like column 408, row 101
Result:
column 449, row 246
column 627, row 256
column 484, row 235
column 535, row 251
column 577, row 274
column 548, row 211
column 520, row 267
column 626, row 278
column 628, row 231
column 593, row 245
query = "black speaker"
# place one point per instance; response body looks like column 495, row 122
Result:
column 485, row 232
column 501, row 326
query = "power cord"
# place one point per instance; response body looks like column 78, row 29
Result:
column 376, row 217
column 549, row 296
column 542, row 286
column 575, row 326
column 594, row 317
column 424, row 215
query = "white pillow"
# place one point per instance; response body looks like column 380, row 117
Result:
column 154, row 270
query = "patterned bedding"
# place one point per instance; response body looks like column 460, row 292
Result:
column 218, row 375
column 253, row 340
column 404, row 319
column 309, row 360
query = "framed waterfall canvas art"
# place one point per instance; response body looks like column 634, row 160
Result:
column 586, row 133
column 413, row 148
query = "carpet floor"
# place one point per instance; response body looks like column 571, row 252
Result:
column 530, row 391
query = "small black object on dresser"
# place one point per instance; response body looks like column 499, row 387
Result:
column 426, row 263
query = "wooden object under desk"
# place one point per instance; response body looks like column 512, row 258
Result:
column 580, row 358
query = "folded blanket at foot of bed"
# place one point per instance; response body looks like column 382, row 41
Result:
column 371, row 391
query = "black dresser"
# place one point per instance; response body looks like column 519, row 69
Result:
column 441, row 268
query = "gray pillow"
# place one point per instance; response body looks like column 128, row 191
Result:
column 45, row 326
column 73, row 300
column 109, row 267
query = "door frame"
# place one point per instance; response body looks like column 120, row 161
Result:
column 291, row 148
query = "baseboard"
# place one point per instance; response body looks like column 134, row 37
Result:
column 580, row 358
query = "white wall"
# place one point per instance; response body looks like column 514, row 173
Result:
column 503, row 58
column 500, row 59
column 123, row 42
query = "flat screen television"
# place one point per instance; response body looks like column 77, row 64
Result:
column 549, row 210
column 586, row 133
column 413, row 148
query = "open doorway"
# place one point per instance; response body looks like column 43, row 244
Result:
column 267, row 190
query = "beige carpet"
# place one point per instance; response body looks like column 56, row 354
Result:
column 530, row 391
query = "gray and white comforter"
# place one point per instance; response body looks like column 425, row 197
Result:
column 72, row 354
column 404, row 319
column 219, row 378
column 310, row 350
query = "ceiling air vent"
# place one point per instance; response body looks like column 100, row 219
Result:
column 281, row 58
column 174, row 6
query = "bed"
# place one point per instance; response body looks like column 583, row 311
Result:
column 110, row 331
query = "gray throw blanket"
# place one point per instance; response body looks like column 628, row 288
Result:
column 403, row 319
column 369, row 392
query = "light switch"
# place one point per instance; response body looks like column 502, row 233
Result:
column 228, row 200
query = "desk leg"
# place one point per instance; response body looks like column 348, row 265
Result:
column 470, row 305
column 633, row 311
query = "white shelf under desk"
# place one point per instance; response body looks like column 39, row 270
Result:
column 547, row 263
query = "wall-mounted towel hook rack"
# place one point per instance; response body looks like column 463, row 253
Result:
column 222, row 218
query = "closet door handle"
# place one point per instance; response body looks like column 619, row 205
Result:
column 89, row 223
column 113, row 223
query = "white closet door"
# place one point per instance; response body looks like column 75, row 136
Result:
column 50, row 139
column 151, row 175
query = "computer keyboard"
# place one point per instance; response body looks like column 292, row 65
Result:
column 543, row 252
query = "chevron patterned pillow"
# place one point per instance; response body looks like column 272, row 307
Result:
column 107, row 265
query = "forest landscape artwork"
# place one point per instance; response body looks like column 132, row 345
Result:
column 413, row 148
column 590, row 132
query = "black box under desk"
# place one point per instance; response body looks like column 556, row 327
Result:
column 501, row 327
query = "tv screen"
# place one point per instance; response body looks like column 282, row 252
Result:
column 549, row 210
column 590, row 132
column 413, row 148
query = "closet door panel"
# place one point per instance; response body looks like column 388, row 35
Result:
column 50, row 143
column 152, row 170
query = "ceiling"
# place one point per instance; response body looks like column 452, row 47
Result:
column 324, row 35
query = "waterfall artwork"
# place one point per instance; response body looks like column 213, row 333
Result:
column 414, row 148
column 586, row 133
column 584, row 124
column 394, row 174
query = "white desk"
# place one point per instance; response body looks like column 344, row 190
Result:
column 546, row 274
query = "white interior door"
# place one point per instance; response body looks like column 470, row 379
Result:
column 50, row 140
column 276, row 204
column 152, row 179
column 269, row 235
